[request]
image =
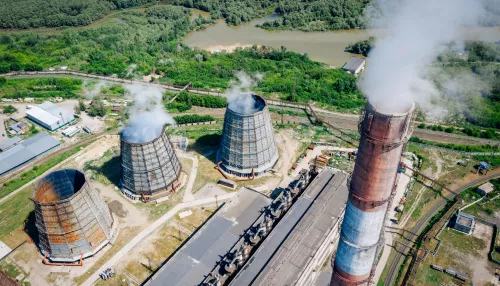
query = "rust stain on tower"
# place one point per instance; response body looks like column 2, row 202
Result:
column 371, row 185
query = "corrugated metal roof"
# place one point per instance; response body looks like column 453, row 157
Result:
column 50, row 114
column 283, row 255
column 200, row 254
column 353, row 64
column 42, row 115
column 9, row 143
column 26, row 151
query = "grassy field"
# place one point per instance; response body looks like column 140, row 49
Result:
column 458, row 251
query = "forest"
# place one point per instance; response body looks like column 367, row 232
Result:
column 319, row 15
column 305, row 15
column 151, row 39
column 24, row 14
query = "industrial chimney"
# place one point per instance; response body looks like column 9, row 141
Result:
column 371, row 185
column 150, row 169
column 73, row 221
column 247, row 145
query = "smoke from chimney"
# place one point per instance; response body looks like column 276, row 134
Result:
column 417, row 30
column 239, row 96
column 147, row 114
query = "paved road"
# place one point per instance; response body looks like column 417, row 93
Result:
column 423, row 221
column 188, row 194
column 143, row 234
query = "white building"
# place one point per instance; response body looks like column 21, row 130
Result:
column 354, row 65
column 50, row 116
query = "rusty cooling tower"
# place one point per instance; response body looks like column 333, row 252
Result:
column 371, row 184
column 71, row 218
column 247, row 144
column 150, row 169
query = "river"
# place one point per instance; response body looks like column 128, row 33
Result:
column 327, row 47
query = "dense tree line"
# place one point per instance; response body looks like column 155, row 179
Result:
column 458, row 147
column 306, row 15
column 318, row 15
column 234, row 11
column 186, row 101
column 193, row 118
column 24, row 14
column 361, row 47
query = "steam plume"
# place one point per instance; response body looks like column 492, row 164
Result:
column 147, row 115
column 394, row 75
column 239, row 96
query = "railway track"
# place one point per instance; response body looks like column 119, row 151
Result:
column 422, row 223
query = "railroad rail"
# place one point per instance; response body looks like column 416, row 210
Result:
column 422, row 223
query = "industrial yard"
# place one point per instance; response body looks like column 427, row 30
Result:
column 196, row 194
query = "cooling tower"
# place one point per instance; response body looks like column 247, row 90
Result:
column 370, row 188
column 71, row 218
column 150, row 170
column 247, row 143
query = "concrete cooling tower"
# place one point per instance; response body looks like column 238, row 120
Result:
column 73, row 221
column 150, row 170
column 247, row 144
column 370, row 189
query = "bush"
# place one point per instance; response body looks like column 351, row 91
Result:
column 193, row 118
column 421, row 125
column 3, row 80
column 97, row 108
column 9, row 109
column 449, row 129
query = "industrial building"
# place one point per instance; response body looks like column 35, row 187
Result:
column 9, row 143
column 149, row 170
column 464, row 223
column 354, row 65
column 485, row 189
column 198, row 256
column 26, row 151
column 297, row 247
column 248, row 147
column 50, row 116
column 73, row 221
column 371, row 187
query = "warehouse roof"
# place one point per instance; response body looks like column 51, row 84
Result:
column 42, row 115
column 49, row 113
column 26, row 151
column 284, row 254
column 6, row 144
column 202, row 251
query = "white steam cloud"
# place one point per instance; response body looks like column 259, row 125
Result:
column 147, row 115
column 239, row 95
column 94, row 89
column 418, row 29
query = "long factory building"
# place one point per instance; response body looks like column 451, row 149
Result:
column 292, row 253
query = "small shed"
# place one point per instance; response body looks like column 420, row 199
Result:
column 354, row 65
column 23, row 126
column 116, row 107
column 464, row 223
column 485, row 189
column 483, row 166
